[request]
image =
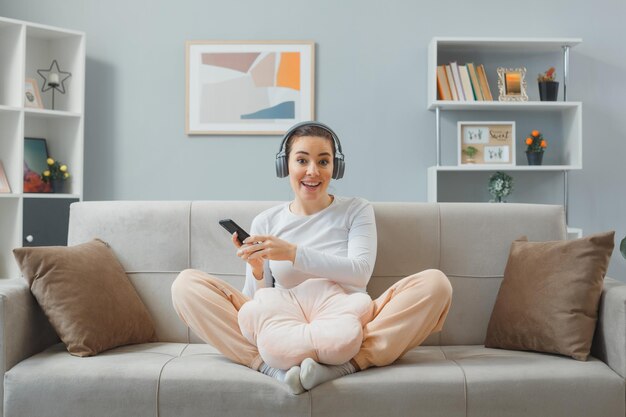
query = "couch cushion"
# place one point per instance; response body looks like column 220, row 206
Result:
column 147, row 235
column 204, row 383
column 507, row 383
column 86, row 295
column 422, row 383
column 548, row 301
column 119, row 382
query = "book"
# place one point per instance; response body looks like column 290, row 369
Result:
column 467, row 84
column 484, row 85
column 442, row 84
column 457, row 80
column 455, row 96
column 474, row 79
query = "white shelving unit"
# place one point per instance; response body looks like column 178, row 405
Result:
column 24, row 48
column 560, row 121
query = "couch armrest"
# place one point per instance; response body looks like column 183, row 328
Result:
column 24, row 329
column 609, row 342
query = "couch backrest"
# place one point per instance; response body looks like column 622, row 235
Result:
column 469, row 242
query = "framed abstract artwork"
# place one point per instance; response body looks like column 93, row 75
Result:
column 248, row 87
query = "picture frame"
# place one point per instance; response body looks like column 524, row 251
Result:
column 5, row 187
column 35, row 163
column 493, row 142
column 512, row 84
column 248, row 87
column 32, row 99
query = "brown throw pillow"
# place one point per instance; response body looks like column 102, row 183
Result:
column 548, row 299
column 86, row 295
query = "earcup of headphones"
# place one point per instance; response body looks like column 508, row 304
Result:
column 282, row 167
column 339, row 167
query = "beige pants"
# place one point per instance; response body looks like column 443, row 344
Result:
column 402, row 317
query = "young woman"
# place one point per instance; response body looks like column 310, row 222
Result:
column 315, row 235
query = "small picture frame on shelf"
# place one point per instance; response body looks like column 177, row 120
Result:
column 4, row 181
column 32, row 98
column 486, row 143
column 512, row 84
column 35, row 163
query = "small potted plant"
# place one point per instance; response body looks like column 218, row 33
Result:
column 470, row 151
column 548, row 87
column 536, row 144
column 56, row 174
column 500, row 185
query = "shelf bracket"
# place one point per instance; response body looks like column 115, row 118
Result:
column 438, row 134
column 565, row 70
column 566, row 196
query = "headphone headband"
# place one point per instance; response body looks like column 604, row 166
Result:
column 312, row 124
column 282, row 166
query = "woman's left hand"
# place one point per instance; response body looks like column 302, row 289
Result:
column 267, row 247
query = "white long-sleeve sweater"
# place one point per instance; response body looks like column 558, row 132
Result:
column 338, row 243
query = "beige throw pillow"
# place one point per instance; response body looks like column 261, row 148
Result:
column 87, row 296
column 548, row 299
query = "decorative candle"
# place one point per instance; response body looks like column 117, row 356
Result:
column 53, row 78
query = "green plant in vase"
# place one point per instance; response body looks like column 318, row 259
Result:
column 500, row 185
column 470, row 151
column 56, row 174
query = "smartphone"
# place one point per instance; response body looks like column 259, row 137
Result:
column 233, row 227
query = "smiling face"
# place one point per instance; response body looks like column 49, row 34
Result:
column 310, row 171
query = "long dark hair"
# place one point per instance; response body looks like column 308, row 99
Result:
column 314, row 131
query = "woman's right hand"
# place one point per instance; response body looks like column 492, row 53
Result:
column 255, row 264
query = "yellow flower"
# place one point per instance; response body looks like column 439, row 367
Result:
column 50, row 161
column 63, row 168
column 66, row 175
column 46, row 173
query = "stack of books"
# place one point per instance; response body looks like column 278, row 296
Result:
column 463, row 82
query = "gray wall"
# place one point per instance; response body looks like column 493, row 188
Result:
column 371, row 88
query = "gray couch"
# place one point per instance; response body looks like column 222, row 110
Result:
column 451, row 375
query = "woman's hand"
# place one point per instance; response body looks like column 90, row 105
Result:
column 260, row 247
column 255, row 264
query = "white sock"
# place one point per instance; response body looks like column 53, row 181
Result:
column 312, row 373
column 290, row 377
